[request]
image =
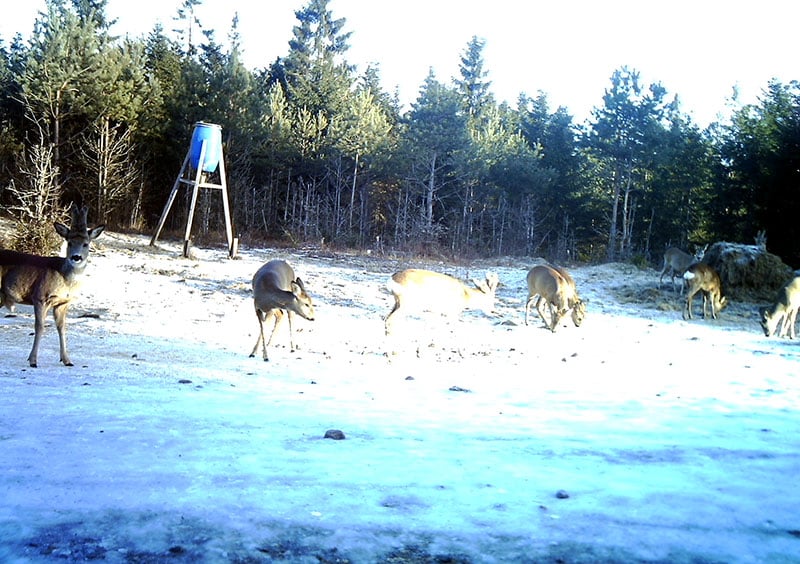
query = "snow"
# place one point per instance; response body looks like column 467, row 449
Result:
column 636, row 437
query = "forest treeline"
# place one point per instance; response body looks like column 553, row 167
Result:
column 317, row 152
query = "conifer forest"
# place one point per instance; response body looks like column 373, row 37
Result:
column 316, row 152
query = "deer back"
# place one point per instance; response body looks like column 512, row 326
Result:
column 426, row 290
column 702, row 277
column 546, row 281
column 275, row 286
column 677, row 260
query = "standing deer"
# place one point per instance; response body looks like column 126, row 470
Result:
column 276, row 290
column 552, row 285
column 48, row 282
column 703, row 278
column 785, row 309
column 416, row 291
column 676, row 262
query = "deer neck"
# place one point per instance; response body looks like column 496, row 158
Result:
column 71, row 269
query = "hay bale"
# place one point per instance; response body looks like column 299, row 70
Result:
column 747, row 271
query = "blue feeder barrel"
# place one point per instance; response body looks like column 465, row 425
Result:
column 212, row 135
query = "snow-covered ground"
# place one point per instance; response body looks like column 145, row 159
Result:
column 637, row 437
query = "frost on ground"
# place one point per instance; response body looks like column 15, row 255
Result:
column 638, row 437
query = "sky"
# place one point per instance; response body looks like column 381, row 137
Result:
column 698, row 50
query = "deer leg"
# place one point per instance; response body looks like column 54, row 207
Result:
column 528, row 305
column 709, row 298
column 787, row 327
column 540, row 304
column 60, row 317
column 556, row 316
column 289, row 316
column 260, row 340
column 6, row 300
column 386, row 325
column 784, row 324
column 39, row 313
column 278, row 315
column 687, row 312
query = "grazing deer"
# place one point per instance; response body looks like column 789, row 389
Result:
column 785, row 309
column 552, row 285
column 48, row 282
column 702, row 278
column 576, row 303
column 676, row 262
column 416, row 290
column 276, row 290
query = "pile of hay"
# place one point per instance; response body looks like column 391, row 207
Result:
column 748, row 271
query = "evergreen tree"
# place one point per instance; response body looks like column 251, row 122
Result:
column 436, row 131
column 12, row 111
column 231, row 103
column 370, row 81
column 163, row 129
column 758, row 171
column 317, row 75
column 502, row 208
column 473, row 86
column 621, row 139
column 679, row 199
column 553, row 136
column 187, row 22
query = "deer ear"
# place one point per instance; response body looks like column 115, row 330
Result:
column 61, row 229
column 95, row 233
column 297, row 287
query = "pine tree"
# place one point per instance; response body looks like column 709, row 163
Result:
column 621, row 138
column 317, row 75
column 473, row 87
column 437, row 130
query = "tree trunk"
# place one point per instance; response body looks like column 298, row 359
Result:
column 612, row 231
column 353, row 194
column 431, row 190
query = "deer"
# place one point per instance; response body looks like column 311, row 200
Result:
column 677, row 261
column 552, row 285
column 49, row 282
column 785, row 309
column 701, row 277
column 578, row 305
column 418, row 290
column 276, row 290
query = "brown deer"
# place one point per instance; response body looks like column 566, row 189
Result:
column 48, row 282
column 703, row 278
column 676, row 262
column 417, row 291
column 552, row 285
column 576, row 303
column 785, row 309
column 277, row 290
